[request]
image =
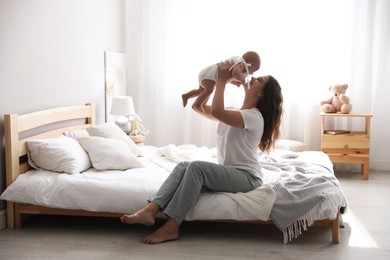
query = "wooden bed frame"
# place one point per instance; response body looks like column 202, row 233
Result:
column 54, row 122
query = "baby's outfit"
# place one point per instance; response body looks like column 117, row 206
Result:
column 211, row 72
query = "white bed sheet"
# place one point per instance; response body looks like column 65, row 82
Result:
column 128, row 191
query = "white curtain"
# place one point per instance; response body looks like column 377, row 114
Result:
column 307, row 45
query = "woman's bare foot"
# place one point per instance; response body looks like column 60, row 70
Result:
column 144, row 216
column 168, row 232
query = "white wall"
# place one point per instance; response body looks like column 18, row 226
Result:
column 52, row 54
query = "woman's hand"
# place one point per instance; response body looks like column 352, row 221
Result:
column 223, row 71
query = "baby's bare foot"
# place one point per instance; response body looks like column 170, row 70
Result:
column 140, row 217
column 184, row 99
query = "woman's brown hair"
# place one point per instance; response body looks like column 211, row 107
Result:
column 271, row 107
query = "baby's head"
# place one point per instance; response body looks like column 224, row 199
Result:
column 253, row 59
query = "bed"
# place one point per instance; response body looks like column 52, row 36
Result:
column 111, row 175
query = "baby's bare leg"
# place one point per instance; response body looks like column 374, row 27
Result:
column 208, row 88
column 144, row 216
column 191, row 94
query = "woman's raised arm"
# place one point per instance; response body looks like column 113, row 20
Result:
column 218, row 111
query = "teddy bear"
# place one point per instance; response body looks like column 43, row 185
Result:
column 339, row 102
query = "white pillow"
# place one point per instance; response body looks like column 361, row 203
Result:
column 77, row 133
column 59, row 154
column 109, row 154
column 290, row 145
column 111, row 130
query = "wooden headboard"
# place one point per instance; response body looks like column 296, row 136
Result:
column 19, row 129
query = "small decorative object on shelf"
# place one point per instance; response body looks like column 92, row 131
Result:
column 138, row 130
column 336, row 132
column 137, row 127
column 338, row 101
column 347, row 146
column 138, row 139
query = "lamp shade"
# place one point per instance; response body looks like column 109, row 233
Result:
column 122, row 106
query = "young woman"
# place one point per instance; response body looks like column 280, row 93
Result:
column 239, row 135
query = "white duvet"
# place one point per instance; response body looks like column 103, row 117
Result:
column 128, row 191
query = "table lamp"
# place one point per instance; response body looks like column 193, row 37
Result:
column 123, row 107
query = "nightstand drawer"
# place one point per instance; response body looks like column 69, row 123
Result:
column 345, row 141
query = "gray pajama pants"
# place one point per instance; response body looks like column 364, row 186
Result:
column 180, row 191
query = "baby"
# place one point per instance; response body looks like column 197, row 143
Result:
column 241, row 68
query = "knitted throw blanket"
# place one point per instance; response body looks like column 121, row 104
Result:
column 298, row 199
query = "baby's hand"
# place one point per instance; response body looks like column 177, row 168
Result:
column 243, row 82
column 241, row 77
column 236, row 83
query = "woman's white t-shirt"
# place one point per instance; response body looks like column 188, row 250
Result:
column 238, row 147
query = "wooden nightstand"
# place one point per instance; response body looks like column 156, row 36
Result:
column 348, row 146
column 138, row 139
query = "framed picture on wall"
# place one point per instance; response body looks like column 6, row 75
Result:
column 115, row 79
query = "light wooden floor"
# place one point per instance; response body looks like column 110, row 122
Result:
column 365, row 236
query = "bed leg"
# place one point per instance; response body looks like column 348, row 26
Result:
column 10, row 215
column 336, row 229
column 17, row 217
column 18, row 221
